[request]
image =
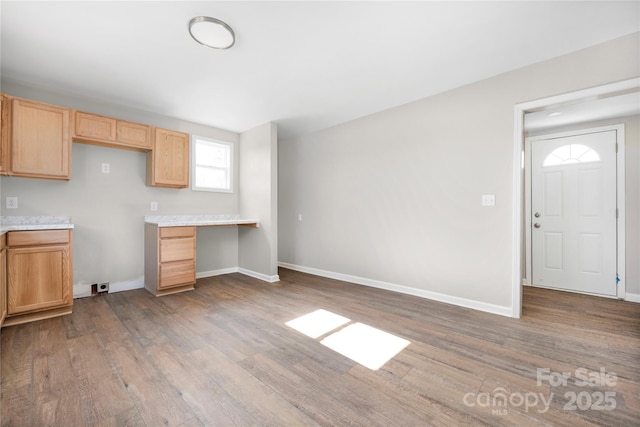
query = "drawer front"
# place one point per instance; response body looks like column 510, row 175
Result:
column 38, row 237
column 178, row 249
column 134, row 134
column 95, row 127
column 177, row 232
column 177, row 273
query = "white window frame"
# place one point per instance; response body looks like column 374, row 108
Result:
column 194, row 140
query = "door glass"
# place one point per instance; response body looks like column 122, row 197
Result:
column 571, row 153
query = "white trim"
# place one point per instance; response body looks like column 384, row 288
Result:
column 219, row 272
column 632, row 297
column 126, row 285
column 620, row 197
column 256, row 275
column 449, row 299
column 518, row 145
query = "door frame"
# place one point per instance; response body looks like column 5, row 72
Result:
column 620, row 201
column 518, row 220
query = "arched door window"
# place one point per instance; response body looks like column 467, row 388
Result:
column 571, row 154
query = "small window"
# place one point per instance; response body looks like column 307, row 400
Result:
column 211, row 165
column 573, row 153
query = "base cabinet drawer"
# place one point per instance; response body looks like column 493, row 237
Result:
column 179, row 249
column 177, row 273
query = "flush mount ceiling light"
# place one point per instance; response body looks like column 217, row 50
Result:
column 211, row 32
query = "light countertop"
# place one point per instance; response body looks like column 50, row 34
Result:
column 199, row 220
column 27, row 223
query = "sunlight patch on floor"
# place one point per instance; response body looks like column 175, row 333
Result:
column 317, row 323
column 361, row 343
column 366, row 345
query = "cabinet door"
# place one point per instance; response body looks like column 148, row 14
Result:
column 95, row 127
column 3, row 285
column 40, row 140
column 168, row 161
column 134, row 134
column 38, row 278
column 4, row 135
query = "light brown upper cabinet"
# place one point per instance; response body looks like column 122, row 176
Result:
column 4, row 135
column 40, row 140
column 168, row 161
column 109, row 132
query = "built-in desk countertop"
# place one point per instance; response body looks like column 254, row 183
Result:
column 170, row 249
column 200, row 220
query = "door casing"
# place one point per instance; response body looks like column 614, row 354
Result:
column 518, row 221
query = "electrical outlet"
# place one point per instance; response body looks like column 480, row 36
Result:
column 106, row 168
column 11, row 203
column 154, row 206
column 103, row 287
column 489, row 200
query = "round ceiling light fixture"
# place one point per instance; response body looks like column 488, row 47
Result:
column 211, row 32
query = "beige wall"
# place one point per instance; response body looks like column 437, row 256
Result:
column 108, row 209
column 395, row 196
column 258, row 248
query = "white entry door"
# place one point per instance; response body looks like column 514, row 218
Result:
column 573, row 212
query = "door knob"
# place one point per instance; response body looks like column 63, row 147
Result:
column 536, row 225
column 537, row 214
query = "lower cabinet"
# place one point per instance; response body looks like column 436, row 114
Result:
column 170, row 259
column 39, row 275
column 3, row 278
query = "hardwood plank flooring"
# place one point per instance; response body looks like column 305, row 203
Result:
column 222, row 355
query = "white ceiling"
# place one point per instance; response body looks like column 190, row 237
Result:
column 304, row 65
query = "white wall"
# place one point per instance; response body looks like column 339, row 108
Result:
column 258, row 248
column 395, row 196
column 108, row 209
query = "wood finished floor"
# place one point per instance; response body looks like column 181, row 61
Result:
column 221, row 355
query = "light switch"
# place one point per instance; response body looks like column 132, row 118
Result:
column 488, row 200
column 154, row 206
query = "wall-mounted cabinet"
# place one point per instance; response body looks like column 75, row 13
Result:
column 39, row 275
column 4, row 135
column 168, row 161
column 39, row 140
column 106, row 131
column 36, row 139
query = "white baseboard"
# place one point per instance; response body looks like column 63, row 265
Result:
column 255, row 274
column 126, row 285
column 632, row 297
column 449, row 299
column 211, row 273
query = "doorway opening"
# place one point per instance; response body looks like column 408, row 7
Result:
column 574, row 191
column 546, row 107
